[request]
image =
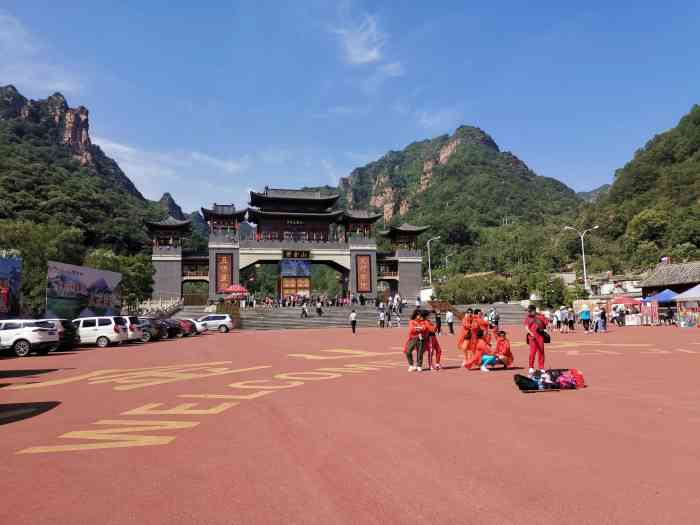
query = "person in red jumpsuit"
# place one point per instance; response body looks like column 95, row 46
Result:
column 465, row 336
column 535, row 323
column 432, row 346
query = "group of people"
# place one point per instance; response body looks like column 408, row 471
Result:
column 476, row 343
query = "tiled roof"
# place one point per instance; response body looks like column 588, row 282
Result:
column 169, row 221
column 405, row 228
column 296, row 194
column 671, row 274
column 362, row 214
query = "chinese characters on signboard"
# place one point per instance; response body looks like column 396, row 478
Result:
column 224, row 265
column 364, row 273
column 296, row 254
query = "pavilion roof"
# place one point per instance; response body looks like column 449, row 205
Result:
column 402, row 229
column 222, row 211
column 169, row 222
column 361, row 216
column 279, row 194
column 673, row 274
column 254, row 214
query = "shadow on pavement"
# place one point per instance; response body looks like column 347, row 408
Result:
column 12, row 412
column 4, row 374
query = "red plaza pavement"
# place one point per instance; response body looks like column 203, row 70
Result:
column 320, row 426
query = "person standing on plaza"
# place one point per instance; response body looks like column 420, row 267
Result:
column 438, row 323
column 353, row 320
column 450, row 320
column 304, row 311
column 535, row 324
column 381, row 319
column 415, row 341
column 585, row 317
column 417, row 301
column 319, row 308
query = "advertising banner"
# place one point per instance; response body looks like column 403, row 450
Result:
column 364, row 273
column 224, row 276
column 295, row 268
column 78, row 291
column 10, row 286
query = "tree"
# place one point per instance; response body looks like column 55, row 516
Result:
column 37, row 244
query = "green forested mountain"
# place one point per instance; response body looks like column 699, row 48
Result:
column 653, row 206
column 62, row 198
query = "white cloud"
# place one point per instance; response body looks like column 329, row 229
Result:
column 193, row 178
column 23, row 62
column 363, row 43
column 393, row 69
column 442, row 119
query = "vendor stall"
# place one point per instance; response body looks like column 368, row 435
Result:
column 689, row 308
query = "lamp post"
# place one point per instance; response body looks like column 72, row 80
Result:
column 430, row 271
column 581, row 235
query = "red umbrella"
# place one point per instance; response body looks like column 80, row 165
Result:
column 236, row 290
column 626, row 300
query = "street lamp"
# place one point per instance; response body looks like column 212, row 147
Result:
column 581, row 234
column 430, row 271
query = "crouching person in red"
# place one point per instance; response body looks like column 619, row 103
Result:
column 415, row 341
column 483, row 355
column 503, row 354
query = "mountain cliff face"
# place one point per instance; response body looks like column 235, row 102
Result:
column 51, row 172
column 464, row 169
column 594, row 195
column 170, row 206
column 67, row 126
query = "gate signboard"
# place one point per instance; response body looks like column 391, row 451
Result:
column 364, row 273
column 224, row 274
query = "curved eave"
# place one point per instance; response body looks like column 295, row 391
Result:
column 211, row 214
column 254, row 214
column 169, row 224
column 261, row 199
column 400, row 230
column 369, row 219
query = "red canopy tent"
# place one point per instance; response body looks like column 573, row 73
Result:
column 626, row 300
column 236, row 291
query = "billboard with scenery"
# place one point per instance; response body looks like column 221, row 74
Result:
column 295, row 268
column 78, row 291
column 10, row 286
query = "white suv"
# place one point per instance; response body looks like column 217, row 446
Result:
column 134, row 332
column 24, row 336
column 221, row 322
column 101, row 331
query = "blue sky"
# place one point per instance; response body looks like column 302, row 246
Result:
column 208, row 102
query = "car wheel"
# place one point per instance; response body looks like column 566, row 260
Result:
column 102, row 342
column 223, row 329
column 179, row 334
column 22, row 348
column 165, row 334
column 146, row 337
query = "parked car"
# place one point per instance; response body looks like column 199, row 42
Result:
column 153, row 329
column 199, row 326
column 221, row 322
column 188, row 327
column 24, row 336
column 68, row 337
column 101, row 331
column 172, row 328
column 133, row 329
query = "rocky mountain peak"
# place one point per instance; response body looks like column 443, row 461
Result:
column 173, row 209
column 474, row 135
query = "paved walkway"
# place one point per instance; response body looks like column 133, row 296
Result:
column 320, row 426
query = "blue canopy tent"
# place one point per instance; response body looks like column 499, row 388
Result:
column 667, row 296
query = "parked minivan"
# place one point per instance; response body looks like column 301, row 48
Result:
column 134, row 332
column 101, row 331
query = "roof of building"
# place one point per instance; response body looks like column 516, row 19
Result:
column 168, row 222
column 404, row 228
column 253, row 214
column 222, row 210
column 361, row 215
column 671, row 274
column 291, row 194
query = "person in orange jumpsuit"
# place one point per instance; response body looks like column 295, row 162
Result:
column 432, row 346
column 415, row 341
column 465, row 335
column 483, row 324
column 503, row 352
column 482, row 350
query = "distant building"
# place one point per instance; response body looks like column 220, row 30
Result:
column 608, row 284
column 676, row 277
